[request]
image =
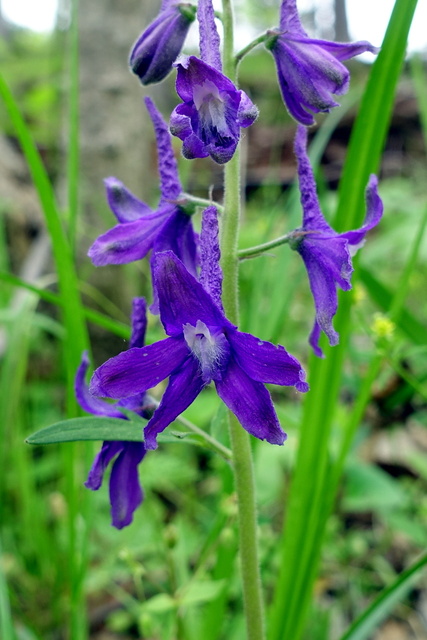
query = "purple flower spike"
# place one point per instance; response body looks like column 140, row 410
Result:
column 309, row 70
column 141, row 229
column 327, row 254
column 160, row 44
column 125, row 491
column 203, row 346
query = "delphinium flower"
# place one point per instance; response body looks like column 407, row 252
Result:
column 309, row 70
column 213, row 110
column 141, row 229
column 327, row 255
column 202, row 346
column 125, row 491
column 160, row 44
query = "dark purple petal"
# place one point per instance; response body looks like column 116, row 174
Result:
column 125, row 206
column 374, row 212
column 129, row 241
column 210, row 254
column 209, row 122
column 86, row 400
column 307, row 78
column 139, row 322
column 170, row 184
column 178, row 236
column 180, row 122
column 251, row 403
column 312, row 214
column 125, row 491
column 289, row 18
column 309, row 70
column 247, row 112
column 323, row 260
column 159, row 45
column 208, row 34
column 182, row 299
column 193, row 147
column 108, row 451
column 183, row 388
column 314, row 340
column 138, row 370
column 345, row 50
column 265, row 362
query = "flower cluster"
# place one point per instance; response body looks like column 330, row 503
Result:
column 201, row 345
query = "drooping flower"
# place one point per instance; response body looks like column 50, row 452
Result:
column 213, row 109
column 202, row 346
column 125, row 491
column 141, row 229
column 327, row 255
column 160, row 44
column 309, row 70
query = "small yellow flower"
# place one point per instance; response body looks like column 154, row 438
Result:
column 382, row 327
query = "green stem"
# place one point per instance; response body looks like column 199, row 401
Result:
column 240, row 442
column 253, row 252
column 243, row 52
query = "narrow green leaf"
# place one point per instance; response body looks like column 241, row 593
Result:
column 308, row 506
column 89, row 428
column 362, row 628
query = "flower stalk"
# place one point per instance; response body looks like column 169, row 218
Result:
column 240, row 442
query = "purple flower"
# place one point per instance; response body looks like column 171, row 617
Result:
column 159, row 45
column 327, row 254
column 309, row 70
column 202, row 346
column 125, row 491
column 213, row 110
column 141, row 229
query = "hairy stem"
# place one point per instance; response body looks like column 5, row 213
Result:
column 240, row 442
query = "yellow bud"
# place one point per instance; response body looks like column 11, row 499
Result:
column 382, row 327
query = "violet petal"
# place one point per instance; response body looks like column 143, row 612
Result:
column 137, row 370
column 210, row 254
column 170, row 184
column 184, row 386
column 86, row 400
column 182, row 299
column 125, row 206
column 265, row 362
column 125, row 491
column 251, row 403
column 108, row 451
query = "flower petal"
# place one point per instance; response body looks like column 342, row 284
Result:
column 136, row 370
column 170, row 184
column 184, row 386
column 139, row 322
column 156, row 49
column 86, row 400
column 374, row 212
column 345, row 50
column 128, row 242
column 125, row 206
column 182, row 299
column 251, row 403
column 102, row 459
column 210, row 254
column 209, row 42
column 312, row 214
column 125, row 491
column 265, row 362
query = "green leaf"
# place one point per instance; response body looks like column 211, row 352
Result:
column 89, row 428
column 198, row 592
column 162, row 603
column 382, row 606
column 370, row 488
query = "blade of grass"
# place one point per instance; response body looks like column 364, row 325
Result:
column 7, row 630
column 382, row 606
column 306, row 515
column 118, row 328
